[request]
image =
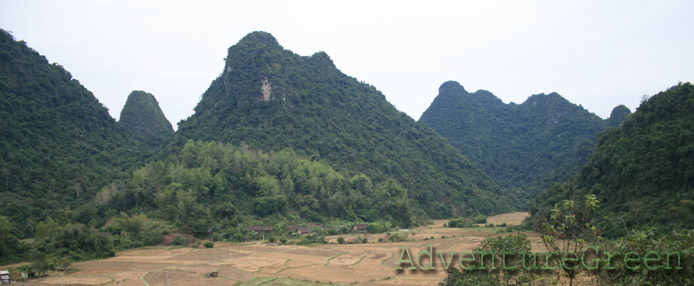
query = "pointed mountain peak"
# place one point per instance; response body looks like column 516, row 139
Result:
column 451, row 87
column 619, row 113
column 260, row 38
column 542, row 98
column 144, row 120
column 321, row 59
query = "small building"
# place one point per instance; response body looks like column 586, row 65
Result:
column 304, row 230
column 4, row 277
column 359, row 227
column 293, row 228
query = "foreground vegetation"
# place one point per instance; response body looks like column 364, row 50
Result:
column 577, row 254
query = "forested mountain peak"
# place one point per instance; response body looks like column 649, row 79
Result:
column 260, row 37
column 144, row 120
column 521, row 145
column 551, row 101
column 59, row 144
column 454, row 91
column 322, row 59
column 618, row 115
column 270, row 98
column 451, row 87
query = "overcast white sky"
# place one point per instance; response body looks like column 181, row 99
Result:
column 595, row 53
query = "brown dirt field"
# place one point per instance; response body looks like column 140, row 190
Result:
column 364, row 264
column 509, row 218
column 128, row 278
column 233, row 273
column 314, row 252
column 184, row 278
column 75, row 280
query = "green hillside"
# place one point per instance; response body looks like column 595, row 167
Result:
column 522, row 146
column 643, row 171
column 59, row 144
column 270, row 98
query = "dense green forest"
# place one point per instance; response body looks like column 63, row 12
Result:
column 523, row 146
column 270, row 99
column 215, row 191
column 144, row 120
column 641, row 171
column 207, row 186
column 59, row 144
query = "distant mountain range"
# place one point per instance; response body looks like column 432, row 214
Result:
column 524, row 147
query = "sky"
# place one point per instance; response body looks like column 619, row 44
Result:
column 598, row 54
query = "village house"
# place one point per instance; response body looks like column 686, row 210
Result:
column 293, row 228
column 4, row 277
column 304, row 230
column 359, row 227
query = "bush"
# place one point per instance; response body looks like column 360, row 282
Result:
column 341, row 240
column 208, row 244
column 396, row 237
column 459, row 222
column 480, row 219
column 182, row 240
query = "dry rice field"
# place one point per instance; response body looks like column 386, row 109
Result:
column 371, row 263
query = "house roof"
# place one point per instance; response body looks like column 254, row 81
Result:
column 305, row 230
column 360, row 226
column 293, row 227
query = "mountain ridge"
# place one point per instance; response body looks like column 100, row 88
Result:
column 517, row 144
column 270, row 98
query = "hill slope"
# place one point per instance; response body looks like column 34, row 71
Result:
column 58, row 143
column 643, row 171
column 271, row 98
column 522, row 146
column 144, row 120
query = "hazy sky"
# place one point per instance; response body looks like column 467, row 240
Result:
column 595, row 53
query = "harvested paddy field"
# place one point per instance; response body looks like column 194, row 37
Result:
column 371, row 263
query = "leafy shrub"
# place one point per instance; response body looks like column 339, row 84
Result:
column 480, row 219
column 208, row 244
column 182, row 241
column 460, row 222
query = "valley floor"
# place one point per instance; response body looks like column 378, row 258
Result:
column 371, row 263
